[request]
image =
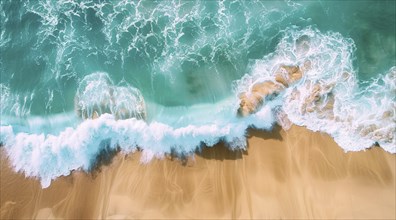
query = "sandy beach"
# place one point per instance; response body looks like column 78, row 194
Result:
column 108, row 109
column 296, row 174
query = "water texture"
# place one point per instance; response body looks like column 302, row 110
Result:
column 79, row 78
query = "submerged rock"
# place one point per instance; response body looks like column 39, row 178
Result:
column 97, row 95
column 253, row 99
column 287, row 75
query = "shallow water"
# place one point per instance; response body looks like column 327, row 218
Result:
column 176, row 68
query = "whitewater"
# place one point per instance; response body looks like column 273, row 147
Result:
column 167, row 77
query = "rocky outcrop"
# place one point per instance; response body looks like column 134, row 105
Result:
column 253, row 99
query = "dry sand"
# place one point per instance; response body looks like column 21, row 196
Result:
column 296, row 174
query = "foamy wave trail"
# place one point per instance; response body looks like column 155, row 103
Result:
column 329, row 97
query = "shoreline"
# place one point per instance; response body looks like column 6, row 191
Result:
column 283, row 174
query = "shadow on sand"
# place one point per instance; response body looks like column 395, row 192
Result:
column 221, row 152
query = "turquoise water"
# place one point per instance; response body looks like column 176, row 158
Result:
column 175, row 69
column 191, row 50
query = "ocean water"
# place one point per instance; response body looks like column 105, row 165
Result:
column 82, row 78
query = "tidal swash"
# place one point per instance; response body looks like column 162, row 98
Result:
column 79, row 78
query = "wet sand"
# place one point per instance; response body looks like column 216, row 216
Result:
column 296, row 174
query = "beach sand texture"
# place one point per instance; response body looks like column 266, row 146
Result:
column 294, row 174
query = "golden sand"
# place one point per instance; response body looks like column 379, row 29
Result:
column 282, row 175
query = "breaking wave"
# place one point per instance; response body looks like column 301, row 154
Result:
column 190, row 93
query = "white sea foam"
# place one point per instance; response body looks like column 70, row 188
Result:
column 14, row 104
column 50, row 156
column 96, row 95
column 328, row 98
